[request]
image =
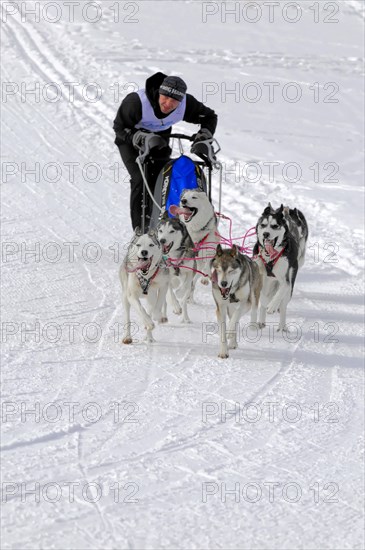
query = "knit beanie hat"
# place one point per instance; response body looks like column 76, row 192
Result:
column 173, row 86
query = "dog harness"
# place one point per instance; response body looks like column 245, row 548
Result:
column 145, row 283
column 201, row 242
column 175, row 266
column 175, row 263
column 198, row 245
column 269, row 266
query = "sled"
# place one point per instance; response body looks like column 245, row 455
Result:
column 178, row 174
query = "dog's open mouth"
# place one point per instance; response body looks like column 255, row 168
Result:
column 167, row 247
column 188, row 213
column 270, row 245
column 185, row 211
column 225, row 291
column 144, row 265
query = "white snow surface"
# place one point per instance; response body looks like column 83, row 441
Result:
column 160, row 448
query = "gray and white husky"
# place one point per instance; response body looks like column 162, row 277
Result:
column 236, row 286
column 177, row 250
column 143, row 274
column 197, row 214
column 279, row 251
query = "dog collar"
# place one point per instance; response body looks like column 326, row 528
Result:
column 175, row 263
column 269, row 266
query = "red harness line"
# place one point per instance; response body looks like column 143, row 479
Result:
column 244, row 249
column 191, row 268
column 198, row 246
column 175, row 262
column 273, row 261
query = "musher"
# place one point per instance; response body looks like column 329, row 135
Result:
column 154, row 109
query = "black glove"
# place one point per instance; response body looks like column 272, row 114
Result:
column 138, row 138
column 146, row 142
column 124, row 137
column 202, row 135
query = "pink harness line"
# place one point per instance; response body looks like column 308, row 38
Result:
column 198, row 246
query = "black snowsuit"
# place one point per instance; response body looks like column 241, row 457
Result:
column 129, row 114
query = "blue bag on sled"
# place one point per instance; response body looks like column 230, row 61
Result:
column 177, row 175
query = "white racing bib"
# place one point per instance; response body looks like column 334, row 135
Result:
column 150, row 122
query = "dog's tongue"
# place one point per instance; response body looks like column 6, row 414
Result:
column 177, row 210
column 225, row 291
column 141, row 264
column 269, row 248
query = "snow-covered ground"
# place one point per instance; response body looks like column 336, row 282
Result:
column 130, row 446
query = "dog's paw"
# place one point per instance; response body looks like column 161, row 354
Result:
column 177, row 310
column 232, row 344
column 273, row 307
column 150, row 325
column 149, row 339
column 223, row 355
column 156, row 315
column 127, row 340
column 204, row 281
column 186, row 321
column 284, row 328
column 163, row 320
column 261, row 325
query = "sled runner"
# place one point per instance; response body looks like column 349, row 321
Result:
column 178, row 174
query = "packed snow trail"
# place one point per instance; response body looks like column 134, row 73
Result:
column 167, row 446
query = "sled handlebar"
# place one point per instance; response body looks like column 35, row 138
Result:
column 181, row 136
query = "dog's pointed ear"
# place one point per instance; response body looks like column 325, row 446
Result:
column 234, row 251
column 152, row 233
column 281, row 208
column 165, row 216
column 138, row 231
column 286, row 212
column 219, row 250
column 268, row 209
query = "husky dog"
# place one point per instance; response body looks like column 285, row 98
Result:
column 197, row 214
column 143, row 274
column 236, row 286
column 280, row 251
column 176, row 247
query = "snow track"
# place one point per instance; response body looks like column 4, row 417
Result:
column 140, row 443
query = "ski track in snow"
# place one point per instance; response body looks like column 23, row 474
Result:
column 170, row 451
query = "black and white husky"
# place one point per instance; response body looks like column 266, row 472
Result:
column 279, row 251
column 236, row 286
column 197, row 214
column 143, row 274
column 177, row 250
